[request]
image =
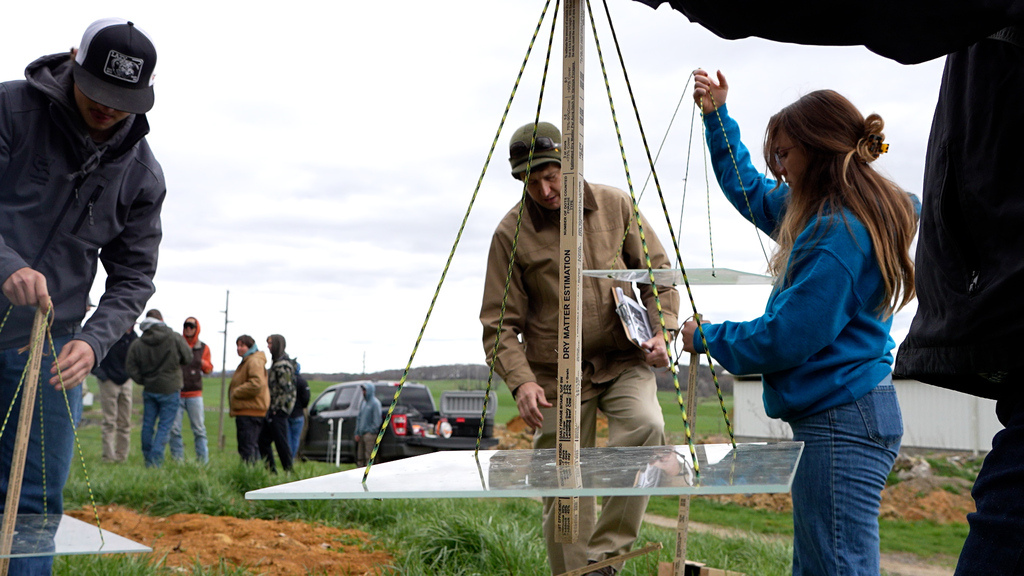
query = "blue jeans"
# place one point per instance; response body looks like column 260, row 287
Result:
column 197, row 418
column 59, row 427
column 848, row 453
column 158, row 414
column 995, row 544
column 295, row 434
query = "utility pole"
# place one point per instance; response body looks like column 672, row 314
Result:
column 223, row 372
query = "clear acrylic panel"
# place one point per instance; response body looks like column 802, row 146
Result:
column 51, row 535
column 634, row 471
column 674, row 277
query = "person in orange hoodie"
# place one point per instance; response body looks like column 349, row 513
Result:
column 192, row 395
column 249, row 397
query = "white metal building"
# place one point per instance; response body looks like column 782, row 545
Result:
column 933, row 417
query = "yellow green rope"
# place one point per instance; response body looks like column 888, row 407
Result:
column 78, row 440
column 519, row 220
column 643, row 239
column 675, row 243
column 451, row 255
column 39, row 340
column 707, row 199
column 735, row 164
column 42, row 441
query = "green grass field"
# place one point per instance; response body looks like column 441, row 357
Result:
column 476, row 536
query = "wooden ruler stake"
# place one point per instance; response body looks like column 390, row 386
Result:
column 28, row 403
column 683, row 524
column 567, row 455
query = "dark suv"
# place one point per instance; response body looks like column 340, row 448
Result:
column 416, row 426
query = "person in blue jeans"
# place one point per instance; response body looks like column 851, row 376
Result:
column 79, row 187
column 155, row 361
column 842, row 267
column 297, row 419
column 192, row 395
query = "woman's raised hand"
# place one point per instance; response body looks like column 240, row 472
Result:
column 707, row 93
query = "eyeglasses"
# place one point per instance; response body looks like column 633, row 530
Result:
column 779, row 155
column 520, row 148
column 189, row 325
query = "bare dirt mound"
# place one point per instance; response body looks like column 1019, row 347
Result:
column 516, row 435
column 940, row 499
column 272, row 547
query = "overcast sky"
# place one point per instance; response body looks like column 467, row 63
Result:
column 320, row 156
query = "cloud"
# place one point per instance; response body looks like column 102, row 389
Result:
column 320, row 156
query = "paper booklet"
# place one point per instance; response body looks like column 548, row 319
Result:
column 634, row 317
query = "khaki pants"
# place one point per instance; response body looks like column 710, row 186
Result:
column 116, row 402
column 634, row 419
column 364, row 448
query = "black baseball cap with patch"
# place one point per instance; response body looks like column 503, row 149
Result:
column 115, row 65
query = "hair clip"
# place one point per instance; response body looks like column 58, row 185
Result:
column 875, row 146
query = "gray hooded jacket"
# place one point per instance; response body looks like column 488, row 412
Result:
column 155, row 360
column 66, row 202
column 370, row 418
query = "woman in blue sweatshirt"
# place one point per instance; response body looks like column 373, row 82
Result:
column 842, row 267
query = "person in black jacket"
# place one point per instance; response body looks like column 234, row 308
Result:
column 297, row 419
column 281, row 381
column 116, row 399
column 970, row 254
column 79, row 186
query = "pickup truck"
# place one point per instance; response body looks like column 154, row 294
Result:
column 417, row 426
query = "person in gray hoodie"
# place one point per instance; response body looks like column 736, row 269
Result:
column 367, row 424
column 79, row 186
column 155, row 362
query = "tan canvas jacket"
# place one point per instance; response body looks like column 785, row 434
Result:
column 534, row 306
column 248, row 393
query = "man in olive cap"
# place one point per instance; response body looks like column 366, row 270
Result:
column 78, row 183
column 617, row 376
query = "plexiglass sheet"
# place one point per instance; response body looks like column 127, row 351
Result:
column 634, row 471
column 674, row 277
column 39, row 535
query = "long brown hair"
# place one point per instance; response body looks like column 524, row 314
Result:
column 840, row 144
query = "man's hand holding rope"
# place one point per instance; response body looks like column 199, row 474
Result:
column 27, row 287
column 76, row 361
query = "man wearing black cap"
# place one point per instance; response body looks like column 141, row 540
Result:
column 617, row 377
column 78, row 183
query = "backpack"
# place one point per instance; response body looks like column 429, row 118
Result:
column 301, row 389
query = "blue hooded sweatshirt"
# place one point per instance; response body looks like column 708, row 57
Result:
column 821, row 342
column 369, row 419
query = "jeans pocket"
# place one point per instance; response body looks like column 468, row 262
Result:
column 881, row 412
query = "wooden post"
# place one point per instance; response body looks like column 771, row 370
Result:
column 567, row 454
column 28, row 403
column 223, row 375
column 683, row 525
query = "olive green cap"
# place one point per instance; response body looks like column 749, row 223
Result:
column 547, row 149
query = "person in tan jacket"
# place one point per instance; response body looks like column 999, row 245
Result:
column 249, row 397
column 617, row 376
